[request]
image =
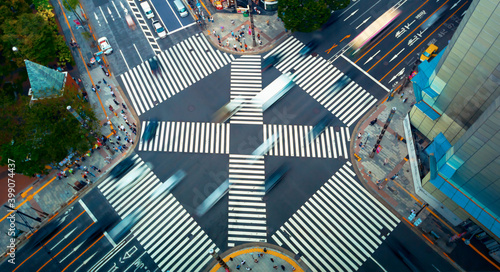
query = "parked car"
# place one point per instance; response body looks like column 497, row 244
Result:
column 162, row 33
column 105, row 46
column 154, row 65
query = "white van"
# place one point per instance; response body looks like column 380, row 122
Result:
column 181, row 8
column 147, row 10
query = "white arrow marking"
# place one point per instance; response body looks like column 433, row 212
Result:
column 110, row 14
column 72, row 251
column 66, row 236
column 85, row 262
column 395, row 56
column 454, row 5
column 130, row 252
column 117, row 8
column 124, row 8
column 366, row 20
column 398, row 74
column 372, row 57
column 350, row 15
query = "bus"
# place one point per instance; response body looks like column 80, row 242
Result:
column 374, row 29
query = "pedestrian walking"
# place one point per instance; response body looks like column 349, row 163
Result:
column 84, row 176
column 255, row 260
column 221, row 28
column 232, row 33
column 93, row 89
column 359, row 135
column 88, row 172
column 275, row 267
column 116, row 102
column 118, row 137
column 104, row 81
column 70, row 171
column 59, row 176
column 111, row 108
column 402, row 94
column 232, row 22
column 267, row 22
column 241, row 45
column 218, row 38
column 258, row 36
column 230, row 259
column 235, row 47
column 238, row 267
column 260, row 42
column 373, row 122
column 96, row 169
column 134, row 124
column 248, row 268
column 243, row 262
column 124, row 106
column 227, row 43
column 122, row 127
column 386, row 161
column 283, row 267
column 404, row 100
column 213, row 31
column 246, row 47
column 395, row 177
column 98, row 87
column 272, row 260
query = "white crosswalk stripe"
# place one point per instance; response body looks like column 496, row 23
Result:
column 164, row 228
column 317, row 76
column 246, row 82
column 247, row 210
column 339, row 227
column 182, row 65
column 188, row 137
column 295, row 141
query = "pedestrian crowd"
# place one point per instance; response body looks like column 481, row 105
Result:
column 260, row 257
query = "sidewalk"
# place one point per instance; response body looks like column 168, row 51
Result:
column 46, row 197
column 258, row 257
column 388, row 176
column 269, row 29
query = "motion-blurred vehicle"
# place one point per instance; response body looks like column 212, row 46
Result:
column 124, row 226
column 169, row 184
column 434, row 17
column 274, row 91
column 340, row 84
column 150, row 131
column 270, row 61
column 213, row 198
column 266, row 145
column 429, row 53
column 105, row 46
column 320, row 127
column 162, row 33
column 310, row 46
column 276, row 177
column 133, row 176
column 154, row 65
column 121, row 168
column 130, row 21
column 228, row 110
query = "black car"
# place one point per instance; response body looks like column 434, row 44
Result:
column 276, row 177
column 122, row 167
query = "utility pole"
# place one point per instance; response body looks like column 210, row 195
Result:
column 251, row 22
column 387, row 122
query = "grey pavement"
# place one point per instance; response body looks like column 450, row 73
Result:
column 51, row 195
column 270, row 34
column 258, row 257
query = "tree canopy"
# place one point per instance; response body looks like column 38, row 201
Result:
column 307, row 15
column 44, row 132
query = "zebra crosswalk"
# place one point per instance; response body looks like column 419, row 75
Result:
column 294, row 141
column 318, row 77
column 247, row 210
column 180, row 66
column 246, row 82
column 164, row 228
column 339, row 227
column 188, row 137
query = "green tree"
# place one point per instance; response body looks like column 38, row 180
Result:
column 307, row 15
column 45, row 132
column 33, row 36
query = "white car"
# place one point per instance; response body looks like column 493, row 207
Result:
column 159, row 29
column 105, row 47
